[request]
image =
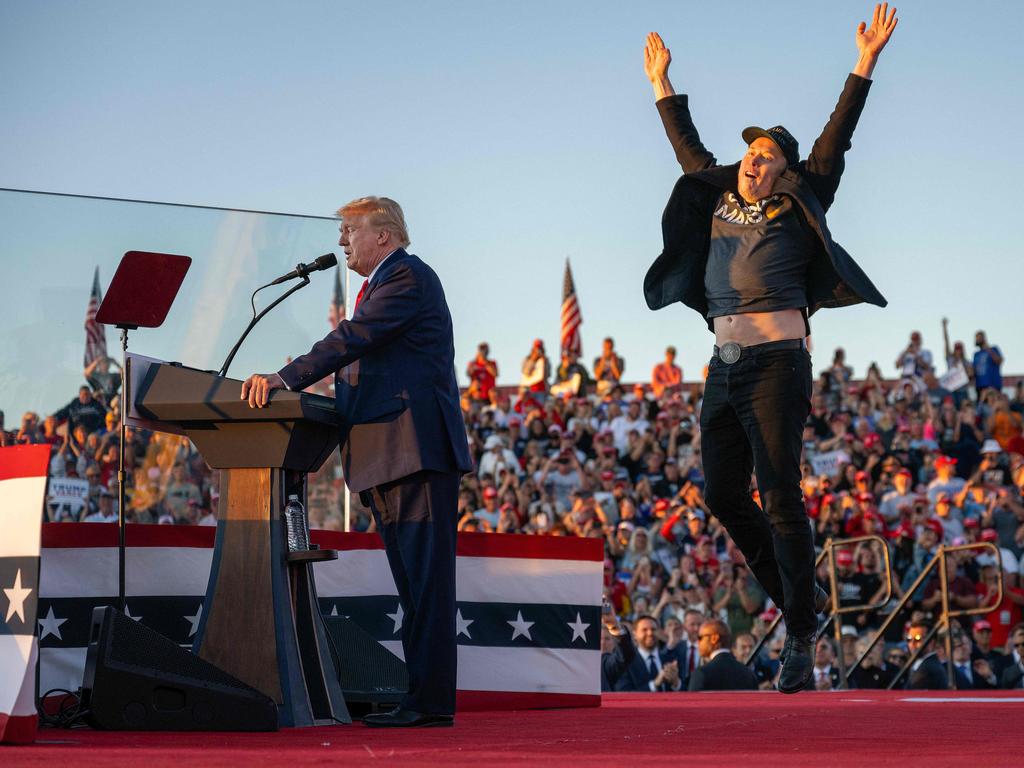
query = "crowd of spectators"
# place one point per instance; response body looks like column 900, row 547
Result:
column 580, row 453
column 921, row 458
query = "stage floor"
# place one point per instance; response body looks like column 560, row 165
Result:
column 853, row 728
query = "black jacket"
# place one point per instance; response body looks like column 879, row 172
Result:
column 723, row 673
column 615, row 664
column 833, row 280
column 930, row 676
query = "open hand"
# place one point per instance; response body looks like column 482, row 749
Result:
column 656, row 58
column 871, row 40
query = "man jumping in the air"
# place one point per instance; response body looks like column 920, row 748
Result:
column 747, row 246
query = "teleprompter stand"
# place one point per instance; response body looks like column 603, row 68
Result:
column 139, row 296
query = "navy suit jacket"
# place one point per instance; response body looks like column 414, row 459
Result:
column 395, row 386
column 638, row 675
column 723, row 673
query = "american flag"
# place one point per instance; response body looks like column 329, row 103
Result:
column 571, row 317
column 95, row 333
column 336, row 313
column 528, row 620
column 22, row 490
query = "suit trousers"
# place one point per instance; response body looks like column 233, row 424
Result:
column 416, row 518
column 752, row 418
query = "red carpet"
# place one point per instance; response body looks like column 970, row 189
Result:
column 854, row 728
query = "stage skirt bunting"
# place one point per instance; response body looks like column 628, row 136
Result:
column 529, row 607
column 22, row 493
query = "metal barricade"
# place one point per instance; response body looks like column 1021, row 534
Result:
column 938, row 560
column 828, row 553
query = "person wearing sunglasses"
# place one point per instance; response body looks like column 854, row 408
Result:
column 928, row 673
column 1013, row 675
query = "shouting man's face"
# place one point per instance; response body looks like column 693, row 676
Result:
column 760, row 167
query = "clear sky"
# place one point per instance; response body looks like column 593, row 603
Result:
column 518, row 134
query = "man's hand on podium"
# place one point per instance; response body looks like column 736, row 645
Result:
column 256, row 389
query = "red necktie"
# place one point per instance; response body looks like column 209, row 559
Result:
column 359, row 295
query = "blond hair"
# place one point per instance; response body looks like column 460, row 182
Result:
column 381, row 212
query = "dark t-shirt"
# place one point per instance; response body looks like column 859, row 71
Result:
column 758, row 257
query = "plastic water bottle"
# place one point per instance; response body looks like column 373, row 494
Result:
column 296, row 524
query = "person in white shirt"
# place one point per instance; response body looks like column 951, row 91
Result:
column 497, row 456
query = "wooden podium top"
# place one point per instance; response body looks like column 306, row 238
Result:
column 295, row 430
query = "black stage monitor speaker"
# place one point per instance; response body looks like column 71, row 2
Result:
column 372, row 678
column 138, row 680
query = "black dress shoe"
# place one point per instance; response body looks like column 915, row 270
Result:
column 798, row 667
column 406, row 718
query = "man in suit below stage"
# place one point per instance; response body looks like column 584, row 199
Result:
column 651, row 669
column 971, row 676
column 929, row 672
column 1013, row 673
column 617, row 653
column 403, row 440
column 720, row 670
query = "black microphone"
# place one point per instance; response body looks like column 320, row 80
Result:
column 326, row 261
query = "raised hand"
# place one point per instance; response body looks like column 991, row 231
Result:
column 871, row 40
column 656, row 60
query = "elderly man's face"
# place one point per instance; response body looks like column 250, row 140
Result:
column 761, row 166
column 362, row 244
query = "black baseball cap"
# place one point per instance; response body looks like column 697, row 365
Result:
column 777, row 133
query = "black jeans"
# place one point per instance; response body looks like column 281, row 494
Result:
column 752, row 418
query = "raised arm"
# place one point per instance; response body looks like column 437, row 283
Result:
column 826, row 162
column 871, row 40
column 674, row 109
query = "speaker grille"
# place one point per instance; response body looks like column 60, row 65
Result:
column 365, row 665
column 136, row 648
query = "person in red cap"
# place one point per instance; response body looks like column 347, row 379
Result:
column 536, row 369
column 945, row 478
column 902, row 494
column 981, row 632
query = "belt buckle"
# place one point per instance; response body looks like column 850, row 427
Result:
column 729, row 352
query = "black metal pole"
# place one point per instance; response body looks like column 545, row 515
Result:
column 125, row 404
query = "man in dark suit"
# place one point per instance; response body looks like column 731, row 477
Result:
column 929, row 672
column 617, row 653
column 1013, row 673
column 652, row 669
column 403, row 439
column 720, row 670
column 976, row 675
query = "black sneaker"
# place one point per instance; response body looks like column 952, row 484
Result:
column 798, row 667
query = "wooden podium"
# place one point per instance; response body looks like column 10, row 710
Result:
column 260, row 620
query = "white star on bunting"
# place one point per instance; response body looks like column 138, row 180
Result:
column 16, row 596
column 194, row 620
column 128, row 613
column 579, row 629
column 520, row 627
column 50, row 625
column 462, row 625
column 334, row 609
column 397, row 618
